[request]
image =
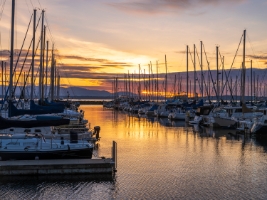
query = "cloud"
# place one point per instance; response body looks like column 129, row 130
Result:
column 163, row 6
column 100, row 60
column 258, row 57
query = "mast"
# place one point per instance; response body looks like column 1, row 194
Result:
column 133, row 85
column 43, row 74
column 157, row 82
column 195, row 92
column 33, row 53
column 58, row 86
column 52, row 75
column 201, row 66
column 12, row 51
column 251, row 82
column 139, row 88
column 254, row 85
column 2, row 67
column 217, row 65
column 149, row 95
column 244, row 67
column 187, row 71
column 55, row 80
column 222, row 78
column 41, row 58
column 46, row 67
column 166, row 80
column 5, row 78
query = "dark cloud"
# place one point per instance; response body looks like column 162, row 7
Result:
column 258, row 57
column 72, row 68
column 159, row 6
column 81, row 58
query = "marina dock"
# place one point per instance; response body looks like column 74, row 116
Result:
column 64, row 166
column 61, row 166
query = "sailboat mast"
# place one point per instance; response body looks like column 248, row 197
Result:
column 195, row 92
column 201, row 66
column 244, row 67
column 52, row 75
column 11, row 51
column 33, row 53
column 43, row 74
column 217, row 66
column 41, row 58
column 46, row 67
column 157, row 82
column 251, row 81
column 166, row 80
column 2, row 66
column 222, row 77
column 187, row 84
column 139, row 88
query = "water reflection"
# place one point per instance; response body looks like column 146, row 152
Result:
column 160, row 159
column 57, row 187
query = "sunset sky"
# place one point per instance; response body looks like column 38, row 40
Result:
column 98, row 40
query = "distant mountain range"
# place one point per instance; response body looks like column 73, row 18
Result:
column 82, row 92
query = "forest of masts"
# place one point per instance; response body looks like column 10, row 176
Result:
column 41, row 69
column 220, row 84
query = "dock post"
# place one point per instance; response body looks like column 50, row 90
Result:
column 114, row 155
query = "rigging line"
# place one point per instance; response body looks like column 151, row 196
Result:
column 253, row 50
column 48, row 26
column 27, row 6
column 257, row 60
column 203, row 77
column 22, row 45
column 23, row 66
column 62, row 65
column 233, row 60
column 214, row 88
column 24, row 41
column 39, row 4
column 201, row 67
column 32, row 4
column 2, row 9
column 227, row 80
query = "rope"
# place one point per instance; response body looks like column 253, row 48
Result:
column 25, row 57
column 227, row 76
column 214, row 88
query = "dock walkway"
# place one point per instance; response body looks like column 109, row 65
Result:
column 64, row 166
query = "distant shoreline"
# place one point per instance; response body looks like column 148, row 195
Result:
column 91, row 102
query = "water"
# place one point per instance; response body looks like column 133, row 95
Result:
column 158, row 160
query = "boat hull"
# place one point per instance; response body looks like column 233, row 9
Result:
column 43, row 155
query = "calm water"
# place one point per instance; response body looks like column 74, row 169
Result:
column 158, row 160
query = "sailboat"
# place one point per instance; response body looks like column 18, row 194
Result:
column 25, row 145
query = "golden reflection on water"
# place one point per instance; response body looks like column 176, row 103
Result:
column 158, row 159
column 171, row 154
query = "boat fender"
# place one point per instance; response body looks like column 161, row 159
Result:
column 68, row 147
column 26, row 148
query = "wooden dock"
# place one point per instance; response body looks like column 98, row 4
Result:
column 60, row 166
column 64, row 166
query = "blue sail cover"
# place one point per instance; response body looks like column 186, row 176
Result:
column 52, row 103
column 52, row 109
column 200, row 103
column 35, row 110
column 8, row 123
column 154, row 107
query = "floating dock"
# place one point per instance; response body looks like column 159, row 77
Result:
column 60, row 166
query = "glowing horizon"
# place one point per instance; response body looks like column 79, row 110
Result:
column 96, row 41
